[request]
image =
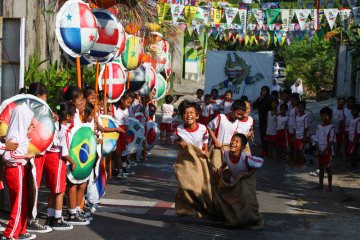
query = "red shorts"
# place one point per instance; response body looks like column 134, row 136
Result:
column 299, row 144
column 325, row 160
column 281, row 140
column 39, row 165
column 352, row 149
column 55, row 169
column 290, row 138
column 165, row 126
column 270, row 138
column 121, row 143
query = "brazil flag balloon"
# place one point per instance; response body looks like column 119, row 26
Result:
column 83, row 151
column 43, row 134
column 109, row 139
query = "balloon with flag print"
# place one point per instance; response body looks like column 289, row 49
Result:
column 83, row 151
column 75, row 28
column 137, row 78
column 110, row 139
column 131, row 57
column 111, row 36
column 159, row 60
column 115, row 81
column 161, row 87
column 152, row 135
column 122, row 45
column 150, row 81
column 135, row 136
column 43, row 133
column 167, row 67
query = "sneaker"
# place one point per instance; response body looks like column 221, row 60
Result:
column 127, row 172
column 121, row 175
column 60, row 225
column 49, row 221
column 85, row 215
column 74, row 219
column 132, row 163
column 27, row 236
column 2, row 228
column 35, row 226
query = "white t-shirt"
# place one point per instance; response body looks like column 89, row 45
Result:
column 271, row 124
column 292, row 119
column 282, row 122
column 64, row 139
column 348, row 118
column 218, row 105
column 302, row 122
column 244, row 165
column 325, row 135
column 337, row 116
column 354, row 129
column 134, row 108
column 198, row 137
column 227, row 106
column 77, row 120
column 207, row 110
column 245, row 125
column 167, row 110
column 121, row 116
column 223, row 128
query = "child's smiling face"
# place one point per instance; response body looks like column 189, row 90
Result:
column 235, row 144
column 190, row 116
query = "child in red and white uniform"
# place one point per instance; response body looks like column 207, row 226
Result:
column 324, row 140
column 223, row 127
column 338, row 119
column 121, row 115
column 301, row 134
column 55, row 167
column 281, row 132
column 167, row 110
column 271, row 129
column 136, row 106
column 354, row 135
column 207, row 112
column 191, row 132
column 227, row 103
column 240, row 163
column 199, row 96
column 246, row 123
column 20, row 126
column 293, row 112
column 215, row 101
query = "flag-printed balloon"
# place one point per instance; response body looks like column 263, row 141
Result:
column 75, row 28
column 122, row 45
column 159, row 60
column 150, row 76
column 83, row 151
column 135, row 136
column 111, row 35
column 160, row 86
column 152, row 135
column 131, row 57
column 167, row 67
column 109, row 138
column 137, row 78
column 115, row 81
column 101, row 179
column 43, row 134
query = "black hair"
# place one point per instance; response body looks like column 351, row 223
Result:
column 238, row 104
column 207, row 96
column 214, row 90
column 243, row 139
column 275, row 94
column 71, row 93
column 284, row 105
column 295, row 96
column 176, row 110
column 152, row 109
column 351, row 98
column 199, row 90
column 168, row 99
column 23, row 90
column 275, row 101
column 244, row 98
column 101, row 95
column 326, row 110
column 126, row 95
column 64, row 109
column 187, row 104
column 341, row 98
column 266, row 88
column 89, row 108
column 287, row 91
column 229, row 91
column 302, row 103
column 356, row 107
column 37, row 88
column 88, row 90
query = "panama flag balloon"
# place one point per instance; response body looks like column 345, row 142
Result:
column 160, row 86
column 150, row 80
column 137, row 78
column 111, row 35
column 135, row 136
column 115, row 81
column 109, row 138
column 43, row 134
column 131, row 57
column 152, row 135
column 83, row 151
column 75, row 28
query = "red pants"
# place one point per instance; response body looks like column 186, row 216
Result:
column 39, row 165
column 55, row 169
column 17, row 183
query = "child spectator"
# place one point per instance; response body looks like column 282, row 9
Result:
column 207, row 112
column 246, row 124
column 227, row 103
column 338, row 119
column 271, row 130
column 301, row 134
column 324, row 140
column 354, row 134
column 199, row 96
column 294, row 100
column 216, row 102
column 281, row 132
column 285, row 99
column 167, row 110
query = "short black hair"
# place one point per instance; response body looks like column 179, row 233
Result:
column 302, row 103
column 88, row 90
column 326, row 111
column 207, row 96
column 64, row 109
column 295, row 96
column 244, row 98
column 351, row 98
column 275, row 94
column 89, row 107
column 284, row 105
column 242, row 137
column 238, row 104
column 37, row 88
column 199, row 90
column 187, row 104
column 127, row 94
column 286, row 91
column 168, row 99
column 229, row 91
column 275, row 101
column 341, row 98
column 214, row 90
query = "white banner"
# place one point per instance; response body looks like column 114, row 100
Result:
column 331, row 14
column 260, row 16
column 286, row 17
column 356, row 13
column 230, row 14
column 176, row 10
column 344, row 17
column 244, row 73
column 204, row 13
column 302, row 15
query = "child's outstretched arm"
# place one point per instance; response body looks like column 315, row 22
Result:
column 214, row 138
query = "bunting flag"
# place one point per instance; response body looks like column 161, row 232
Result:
column 271, row 15
column 230, row 14
column 205, row 14
column 286, row 17
column 331, row 14
column 314, row 14
column 162, row 10
column 190, row 13
column 217, row 16
column 260, row 16
column 345, row 17
column 243, row 18
column 176, row 11
column 302, row 15
column 356, row 13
